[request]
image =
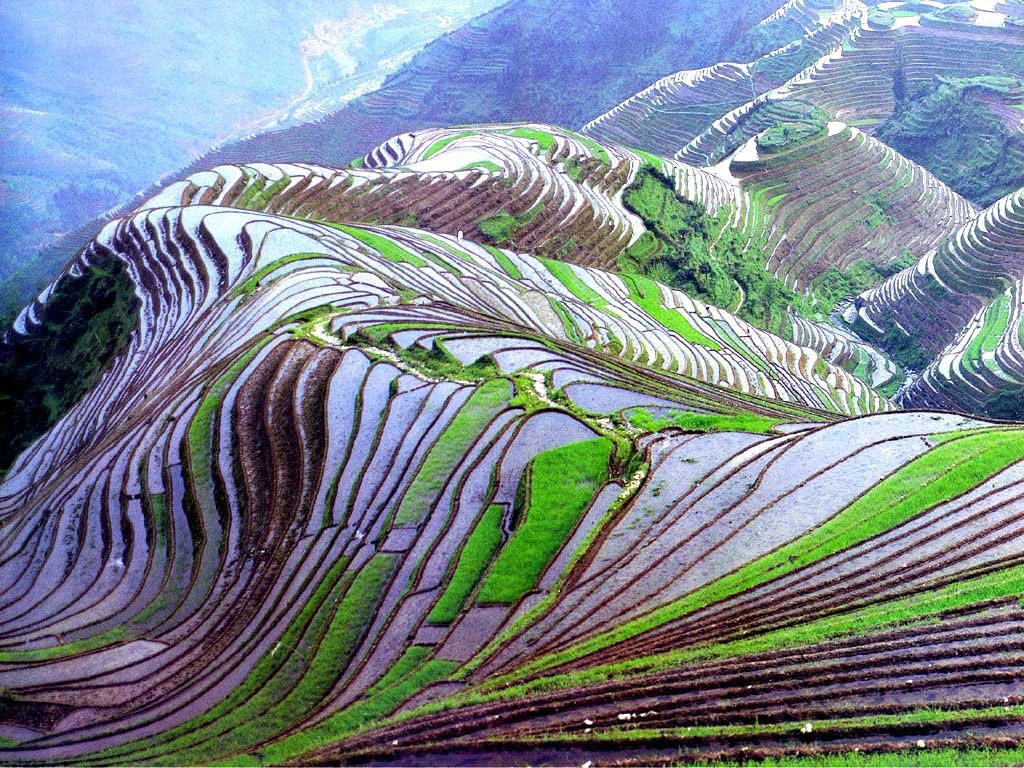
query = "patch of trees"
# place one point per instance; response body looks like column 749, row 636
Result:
column 948, row 127
column 86, row 322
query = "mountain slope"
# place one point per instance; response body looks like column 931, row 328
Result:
column 536, row 60
column 861, row 70
column 389, row 466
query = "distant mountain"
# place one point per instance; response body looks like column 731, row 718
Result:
column 556, row 62
column 98, row 100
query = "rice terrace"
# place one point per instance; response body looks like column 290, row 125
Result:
column 532, row 383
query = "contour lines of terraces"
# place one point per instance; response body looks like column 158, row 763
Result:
column 673, row 112
column 723, row 135
column 178, row 314
column 853, row 82
column 985, row 360
column 568, row 198
column 796, row 11
column 937, row 298
column 249, row 553
column 845, row 349
column 840, row 197
column 659, row 685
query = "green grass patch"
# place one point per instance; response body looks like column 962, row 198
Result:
column 484, row 165
column 262, row 194
column 505, row 262
column 946, row 471
column 543, row 138
column 567, row 276
column 598, row 152
column 502, row 226
column 911, row 758
column 409, row 675
column 568, row 324
column 644, row 292
column 440, row 144
column 74, row 648
column 985, row 341
column 257, row 277
column 327, row 661
column 476, row 555
column 382, row 245
column 702, row 255
column 450, row 448
column 702, row 422
column 558, row 487
column 263, row 685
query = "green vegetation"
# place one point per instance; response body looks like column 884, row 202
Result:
column 786, row 133
column 832, row 285
column 567, row 276
column 946, row 471
column 916, row 758
column 407, row 676
column 86, row 322
column 256, row 280
column 257, row 195
column 556, row 489
column 476, row 555
column 702, row 422
column 483, row 165
column 273, row 674
column 931, row 715
column 544, row 139
column 949, row 128
column 703, row 256
column 985, row 341
column 878, row 210
column 501, row 227
column 74, row 648
column 1007, row 403
column 920, row 608
column 566, row 318
column 647, row 296
column 440, row 144
column 504, row 262
column 328, row 655
column 451, row 448
column 436, row 362
column 385, row 247
column 902, row 347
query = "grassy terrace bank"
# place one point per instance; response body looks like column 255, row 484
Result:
column 948, row 470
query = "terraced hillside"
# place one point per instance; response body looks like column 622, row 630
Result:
column 528, row 186
column 673, row 111
column 807, row 208
column 864, row 59
column 932, row 301
column 980, row 370
column 831, row 200
column 498, row 67
column 367, row 493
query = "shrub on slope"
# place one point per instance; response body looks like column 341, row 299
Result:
column 86, row 322
column 700, row 254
